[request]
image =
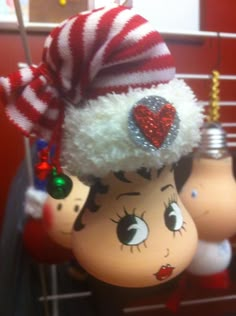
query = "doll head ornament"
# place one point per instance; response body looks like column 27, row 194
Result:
column 57, row 215
column 106, row 94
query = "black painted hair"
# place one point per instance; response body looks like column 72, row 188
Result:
column 99, row 187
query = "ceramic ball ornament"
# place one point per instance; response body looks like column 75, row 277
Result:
column 121, row 120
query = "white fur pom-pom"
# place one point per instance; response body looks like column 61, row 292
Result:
column 211, row 257
column 34, row 202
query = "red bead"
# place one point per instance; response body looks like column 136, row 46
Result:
column 44, row 154
column 42, row 170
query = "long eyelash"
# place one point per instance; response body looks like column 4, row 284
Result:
column 134, row 246
column 173, row 199
column 142, row 215
column 180, row 230
column 126, row 213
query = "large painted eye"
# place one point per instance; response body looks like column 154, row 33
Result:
column 132, row 230
column 173, row 217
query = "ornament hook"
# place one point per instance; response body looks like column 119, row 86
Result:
column 214, row 109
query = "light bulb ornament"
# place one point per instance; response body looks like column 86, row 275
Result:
column 209, row 192
column 121, row 119
column 209, row 195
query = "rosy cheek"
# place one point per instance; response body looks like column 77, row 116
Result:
column 48, row 216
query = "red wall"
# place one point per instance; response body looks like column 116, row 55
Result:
column 12, row 144
column 194, row 56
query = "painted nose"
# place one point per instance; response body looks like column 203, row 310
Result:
column 167, row 252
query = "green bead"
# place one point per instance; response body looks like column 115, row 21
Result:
column 59, row 185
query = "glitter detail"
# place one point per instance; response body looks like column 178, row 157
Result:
column 153, row 123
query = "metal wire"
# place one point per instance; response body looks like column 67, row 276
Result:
column 29, row 61
column 28, row 156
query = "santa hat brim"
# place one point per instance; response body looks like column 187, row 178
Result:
column 96, row 137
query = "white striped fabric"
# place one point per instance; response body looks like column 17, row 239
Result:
column 88, row 55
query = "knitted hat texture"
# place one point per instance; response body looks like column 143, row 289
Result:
column 106, row 90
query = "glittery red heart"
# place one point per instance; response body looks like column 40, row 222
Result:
column 154, row 125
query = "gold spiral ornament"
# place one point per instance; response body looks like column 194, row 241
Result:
column 214, row 109
column 63, row 2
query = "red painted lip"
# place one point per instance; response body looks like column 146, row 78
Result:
column 164, row 272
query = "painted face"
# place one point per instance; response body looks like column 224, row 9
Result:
column 59, row 215
column 209, row 194
column 140, row 235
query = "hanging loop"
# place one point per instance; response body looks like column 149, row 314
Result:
column 214, row 109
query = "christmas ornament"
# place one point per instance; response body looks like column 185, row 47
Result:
column 120, row 120
column 58, row 215
column 59, row 185
column 209, row 192
column 137, row 229
column 209, row 196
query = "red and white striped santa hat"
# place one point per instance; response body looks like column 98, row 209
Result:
column 106, row 92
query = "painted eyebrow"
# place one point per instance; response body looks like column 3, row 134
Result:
column 127, row 193
column 78, row 199
column 166, row 187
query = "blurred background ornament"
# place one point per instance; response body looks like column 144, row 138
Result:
column 40, row 246
column 59, row 215
column 209, row 266
column 210, row 196
column 210, row 191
